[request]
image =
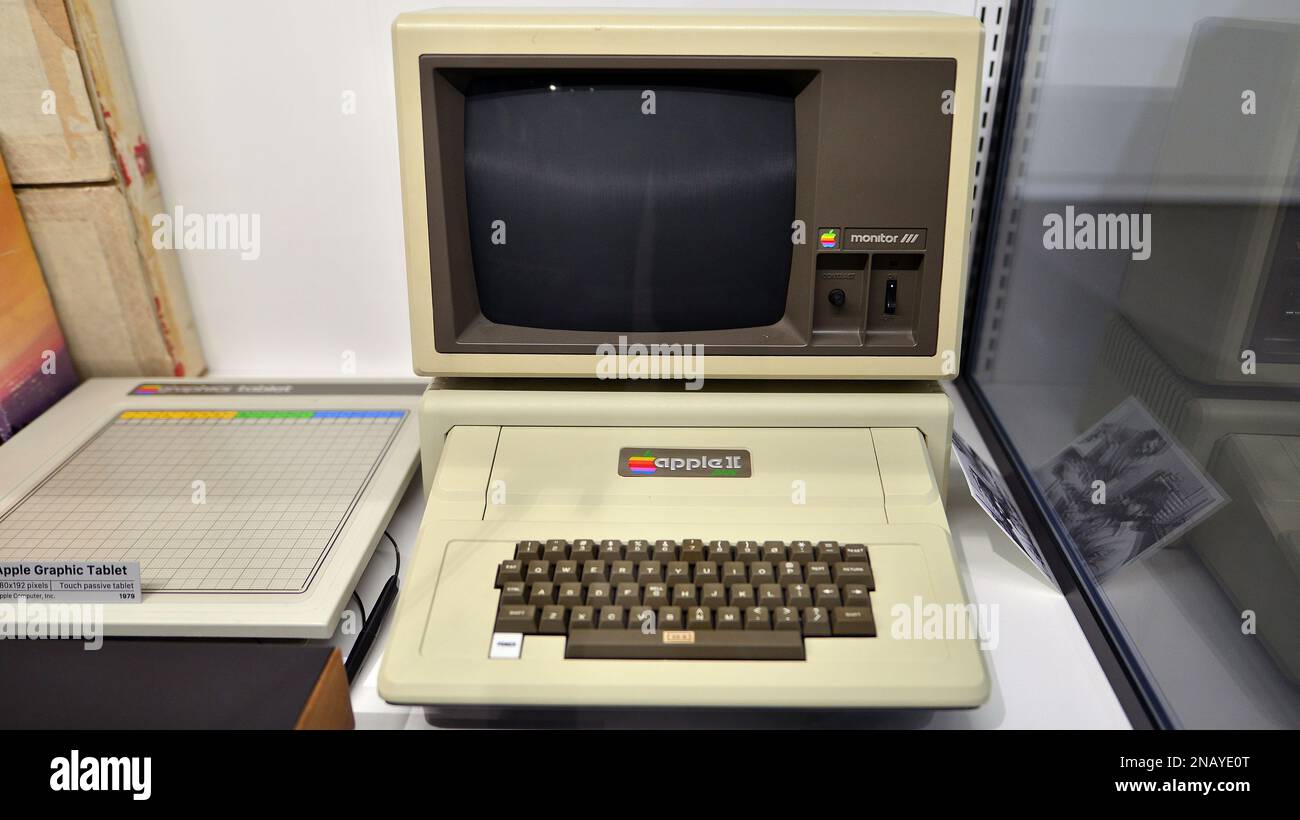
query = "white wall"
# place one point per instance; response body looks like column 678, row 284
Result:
column 243, row 102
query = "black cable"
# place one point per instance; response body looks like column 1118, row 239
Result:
column 370, row 627
column 397, row 570
column 360, row 606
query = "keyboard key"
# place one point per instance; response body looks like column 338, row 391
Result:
column 570, row 594
column 514, row 592
column 853, row 573
column 612, row 617
column 642, row 618
column 728, row 617
column 650, row 572
column 686, row 645
column 801, row 552
column 509, row 571
column 788, row 572
column 599, row 595
column 665, row 551
column 678, row 571
column 856, row 595
column 541, row 593
column 552, row 621
column 798, row 596
column 539, row 570
column 670, row 617
column 713, row 595
column 785, row 618
column 686, row 596
column 627, row 595
column 741, row 595
column 581, row 617
column 817, row 572
column 760, row 572
column 826, row 595
column 593, row 572
column 733, row 572
column 853, row 620
column 622, row 571
column 565, row 571
column 757, row 618
column 698, row 618
column 828, row 551
column 855, row 552
column 517, row 618
column 692, row 550
column 720, row 551
column 655, row 595
column 747, row 551
column 770, row 596
column 773, row 551
column 557, row 549
column 816, row 623
column 528, row 550
column 639, row 547
column 610, row 551
column 583, row 549
column 706, row 572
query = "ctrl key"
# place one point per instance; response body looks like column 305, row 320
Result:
column 521, row 618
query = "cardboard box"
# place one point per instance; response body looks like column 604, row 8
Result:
column 49, row 129
column 121, row 301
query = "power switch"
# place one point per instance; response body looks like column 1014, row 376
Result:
column 891, row 296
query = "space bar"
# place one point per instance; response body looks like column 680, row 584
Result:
column 725, row 645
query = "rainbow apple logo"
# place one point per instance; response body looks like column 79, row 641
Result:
column 829, row 238
column 642, row 464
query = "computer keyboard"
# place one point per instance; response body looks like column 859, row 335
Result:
column 686, row 600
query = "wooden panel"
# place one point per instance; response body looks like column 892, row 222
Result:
column 330, row 704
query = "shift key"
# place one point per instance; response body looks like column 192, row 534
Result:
column 853, row 621
column 517, row 618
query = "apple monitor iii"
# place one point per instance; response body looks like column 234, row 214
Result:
column 774, row 207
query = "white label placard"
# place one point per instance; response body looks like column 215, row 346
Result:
column 98, row 582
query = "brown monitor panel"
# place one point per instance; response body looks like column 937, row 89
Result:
column 573, row 200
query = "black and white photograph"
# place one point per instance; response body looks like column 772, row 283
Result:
column 1125, row 488
column 991, row 493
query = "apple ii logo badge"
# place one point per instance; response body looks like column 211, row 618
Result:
column 663, row 463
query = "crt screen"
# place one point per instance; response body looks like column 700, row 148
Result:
column 598, row 206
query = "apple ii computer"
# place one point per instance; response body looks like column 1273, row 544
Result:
column 773, row 210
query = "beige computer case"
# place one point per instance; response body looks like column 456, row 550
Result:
column 686, row 33
column 510, row 462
